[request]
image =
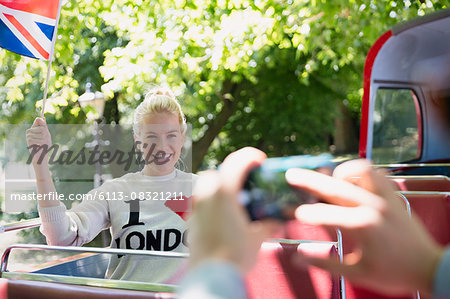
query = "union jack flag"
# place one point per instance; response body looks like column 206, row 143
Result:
column 27, row 26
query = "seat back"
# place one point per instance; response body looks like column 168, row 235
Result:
column 433, row 209
column 354, row 292
column 3, row 288
column 437, row 183
column 297, row 230
column 275, row 275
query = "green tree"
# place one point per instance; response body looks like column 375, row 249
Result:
column 276, row 74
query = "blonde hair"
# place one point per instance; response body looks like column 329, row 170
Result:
column 161, row 100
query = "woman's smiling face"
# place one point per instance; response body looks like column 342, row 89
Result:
column 160, row 140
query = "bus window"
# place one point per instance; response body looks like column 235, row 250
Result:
column 396, row 126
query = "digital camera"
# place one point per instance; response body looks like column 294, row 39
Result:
column 267, row 194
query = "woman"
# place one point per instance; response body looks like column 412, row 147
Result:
column 138, row 208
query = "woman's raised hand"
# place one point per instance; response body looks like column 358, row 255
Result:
column 38, row 135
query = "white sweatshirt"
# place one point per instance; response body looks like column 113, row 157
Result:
column 153, row 223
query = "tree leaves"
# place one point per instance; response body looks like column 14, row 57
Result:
column 289, row 62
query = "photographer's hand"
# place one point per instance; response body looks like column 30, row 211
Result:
column 393, row 253
column 220, row 227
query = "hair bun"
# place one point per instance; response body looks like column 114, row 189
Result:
column 158, row 99
column 160, row 91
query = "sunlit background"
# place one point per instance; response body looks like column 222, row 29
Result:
column 281, row 75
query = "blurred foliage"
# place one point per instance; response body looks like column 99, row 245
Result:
column 267, row 73
column 396, row 127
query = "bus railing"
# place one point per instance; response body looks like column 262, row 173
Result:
column 24, row 224
column 7, row 252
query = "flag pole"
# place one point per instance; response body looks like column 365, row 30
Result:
column 50, row 59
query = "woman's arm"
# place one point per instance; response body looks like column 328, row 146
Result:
column 39, row 142
column 61, row 227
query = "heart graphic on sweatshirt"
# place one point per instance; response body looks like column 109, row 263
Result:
column 181, row 206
